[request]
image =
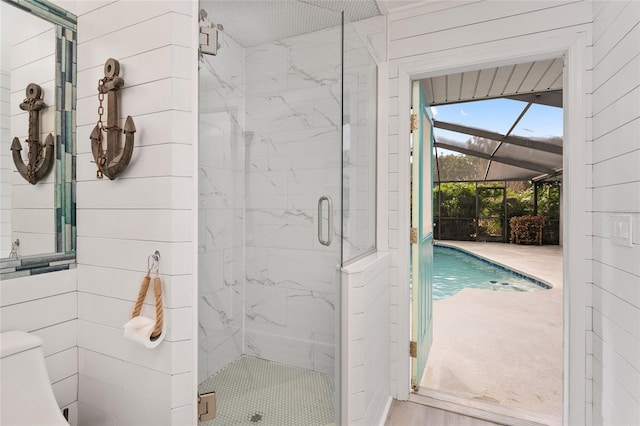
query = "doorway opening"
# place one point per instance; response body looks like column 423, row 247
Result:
column 491, row 348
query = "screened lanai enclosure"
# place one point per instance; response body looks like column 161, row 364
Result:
column 497, row 150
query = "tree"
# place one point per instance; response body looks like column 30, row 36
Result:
column 459, row 167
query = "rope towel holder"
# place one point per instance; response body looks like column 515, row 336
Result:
column 153, row 265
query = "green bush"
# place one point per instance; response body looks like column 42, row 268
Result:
column 456, row 215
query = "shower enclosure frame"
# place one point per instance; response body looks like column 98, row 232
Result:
column 337, row 233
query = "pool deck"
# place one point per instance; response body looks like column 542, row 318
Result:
column 502, row 347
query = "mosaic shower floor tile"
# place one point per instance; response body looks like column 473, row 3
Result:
column 252, row 391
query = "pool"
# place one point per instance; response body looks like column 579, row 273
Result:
column 455, row 269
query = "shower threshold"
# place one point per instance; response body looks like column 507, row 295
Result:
column 252, row 391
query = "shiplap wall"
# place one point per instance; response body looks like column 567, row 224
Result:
column 46, row 306
column 450, row 29
column 367, row 293
column 615, row 333
column 149, row 207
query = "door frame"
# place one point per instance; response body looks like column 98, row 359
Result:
column 571, row 45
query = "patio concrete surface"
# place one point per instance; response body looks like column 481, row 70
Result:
column 502, row 347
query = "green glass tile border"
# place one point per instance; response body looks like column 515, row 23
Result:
column 60, row 140
column 33, row 265
column 48, row 11
column 65, row 177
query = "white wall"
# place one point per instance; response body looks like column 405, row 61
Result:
column 453, row 32
column 366, row 337
column 46, row 306
column 614, row 332
column 149, row 207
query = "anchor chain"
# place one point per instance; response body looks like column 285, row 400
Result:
column 110, row 158
column 101, row 161
column 32, row 166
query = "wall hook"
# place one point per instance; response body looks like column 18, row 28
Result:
column 112, row 161
column 39, row 163
column 153, row 262
column 14, row 248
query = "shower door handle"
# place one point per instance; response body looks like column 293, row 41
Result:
column 329, row 201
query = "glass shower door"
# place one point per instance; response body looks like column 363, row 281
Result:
column 270, row 220
column 359, row 113
column 293, row 203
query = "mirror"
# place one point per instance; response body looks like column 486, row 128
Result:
column 37, row 219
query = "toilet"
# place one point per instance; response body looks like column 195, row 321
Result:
column 26, row 396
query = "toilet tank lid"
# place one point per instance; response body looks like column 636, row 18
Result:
column 12, row 342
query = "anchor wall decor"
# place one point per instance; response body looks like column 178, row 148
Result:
column 39, row 162
column 112, row 161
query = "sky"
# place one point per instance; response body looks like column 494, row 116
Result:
column 498, row 115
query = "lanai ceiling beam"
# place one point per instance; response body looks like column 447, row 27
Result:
column 551, row 98
column 510, row 161
column 513, row 126
column 513, row 140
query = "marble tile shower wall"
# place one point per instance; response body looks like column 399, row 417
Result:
column 221, row 205
column 292, row 140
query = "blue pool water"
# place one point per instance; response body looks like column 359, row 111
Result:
column 454, row 270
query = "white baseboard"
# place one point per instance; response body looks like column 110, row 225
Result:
column 385, row 412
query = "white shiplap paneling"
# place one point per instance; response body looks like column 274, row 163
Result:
column 117, row 283
column 149, row 207
column 46, row 305
column 28, row 316
column 616, row 188
column 483, row 31
column 367, row 338
column 160, row 128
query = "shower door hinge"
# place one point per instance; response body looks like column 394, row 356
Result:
column 414, row 236
column 206, row 406
column 413, row 349
column 209, row 40
column 414, row 122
